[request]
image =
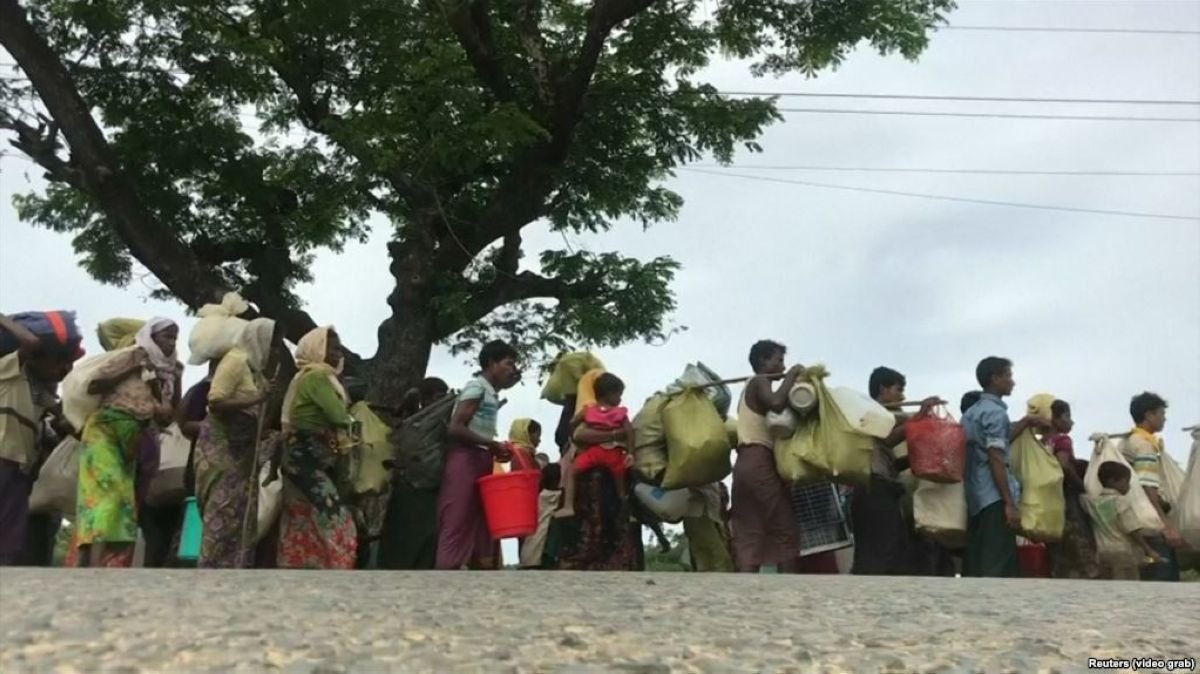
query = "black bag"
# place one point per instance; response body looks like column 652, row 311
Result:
column 421, row 444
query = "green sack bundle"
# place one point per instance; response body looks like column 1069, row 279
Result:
column 1042, row 506
column 697, row 445
column 650, row 439
column 569, row 368
column 825, row 447
column 118, row 333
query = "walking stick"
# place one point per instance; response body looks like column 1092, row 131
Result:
column 253, row 481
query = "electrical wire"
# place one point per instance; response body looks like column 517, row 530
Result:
column 944, row 197
column 962, row 171
column 1071, row 29
column 987, row 115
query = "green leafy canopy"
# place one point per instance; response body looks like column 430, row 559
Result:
column 261, row 132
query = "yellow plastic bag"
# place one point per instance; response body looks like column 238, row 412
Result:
column 795, row 456
column 568, row 370
column 118, row 333
column 650, row 439
column 1042, row 504
column 376, row 449
column 585, row 392
column 697, row 445
column 842, row 453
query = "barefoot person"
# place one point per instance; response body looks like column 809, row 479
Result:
column 463, row 536
column 763, row 528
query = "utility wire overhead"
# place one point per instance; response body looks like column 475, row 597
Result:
column 987, row 115
column 1071, row 29
column 945, row 197
column 967, row 171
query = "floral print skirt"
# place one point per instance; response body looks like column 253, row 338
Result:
column 316, row 529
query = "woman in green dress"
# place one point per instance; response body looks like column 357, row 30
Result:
column 140, row 389
column 317, row 525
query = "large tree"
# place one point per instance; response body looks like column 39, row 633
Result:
column 220, row 145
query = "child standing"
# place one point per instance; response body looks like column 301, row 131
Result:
column 607, row 423
column 1118, row 532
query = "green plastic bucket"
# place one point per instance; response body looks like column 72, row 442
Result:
column 189, row 540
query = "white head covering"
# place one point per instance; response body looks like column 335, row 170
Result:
column 255, row 340
column 310, row 355
column 163, row 362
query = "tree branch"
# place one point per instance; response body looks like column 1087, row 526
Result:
column 472, row 26
column 95, row 171
column 505, row 290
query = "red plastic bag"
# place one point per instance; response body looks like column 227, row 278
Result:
column 937, row 448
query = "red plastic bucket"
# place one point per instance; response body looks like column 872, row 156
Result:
column 510, row 501
column 1034, row 561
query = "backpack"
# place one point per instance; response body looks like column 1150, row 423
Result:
column 420, row 443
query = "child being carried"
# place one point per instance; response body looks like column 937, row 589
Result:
column 608, row 418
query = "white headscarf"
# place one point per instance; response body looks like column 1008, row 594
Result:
column 255, row 340
column 162, row 362
column 165, row 365
column 310, row 356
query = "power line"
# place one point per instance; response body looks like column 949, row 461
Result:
column 1073, row 29
column 988, row 115
column 816, row 94
column 980, row 99
column 944, row 197
column 967, row 171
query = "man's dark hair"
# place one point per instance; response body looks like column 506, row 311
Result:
column 534, row 427
column 1112, row 472
column 1059, row 409
column 494, row 352
column 763, row 350
column 989, row 368
column 1145, row 403
column 551, row 476
column 433, row 388
column 608, row 384
column 884, row 377
column 969, row 399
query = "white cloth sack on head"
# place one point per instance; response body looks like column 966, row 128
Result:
column 940, row 512
column 77, row 403
column 1186, row 514
column 218, row 329
column 58, row 481
column 1108, row 448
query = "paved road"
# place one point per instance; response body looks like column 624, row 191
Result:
column 363, row 622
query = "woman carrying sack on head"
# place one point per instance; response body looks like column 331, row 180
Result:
column 226, row 450
column 140, row 390
column 317, row 529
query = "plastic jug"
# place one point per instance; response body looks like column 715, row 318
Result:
column 862, row 413
column 803, row 398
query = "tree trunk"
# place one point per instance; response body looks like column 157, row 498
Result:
column 406, row 337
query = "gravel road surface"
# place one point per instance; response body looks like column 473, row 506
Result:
column 96, row 621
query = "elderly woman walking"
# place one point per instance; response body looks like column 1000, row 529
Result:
column 226, row 451
column 140, row 390
column 317, row 529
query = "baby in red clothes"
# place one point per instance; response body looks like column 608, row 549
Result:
column 606, row 418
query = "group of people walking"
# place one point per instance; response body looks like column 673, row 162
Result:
column 240, row 442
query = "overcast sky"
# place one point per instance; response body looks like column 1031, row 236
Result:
column 1092, row 308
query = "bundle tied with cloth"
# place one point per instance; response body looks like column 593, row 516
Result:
column 1041, row 504
column 835, row 432
column 1186, row 514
